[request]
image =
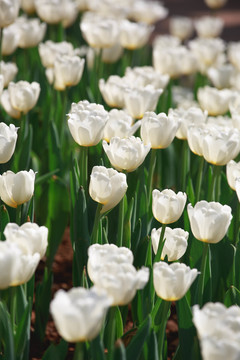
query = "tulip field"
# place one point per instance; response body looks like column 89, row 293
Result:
column 129, row 141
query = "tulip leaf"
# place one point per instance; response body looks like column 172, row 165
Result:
column 56, row 352
column 22, row 336
column 152, row 346
column 186, row 329
column 127, row 224
column 119, row 351
column 26, row 147
column 54, row 152
column 6, row 333
column 97, row 349
column 232, row 297
column 237, row 265
column 135, row 239
column 4, row 220
column 119, row 323
column 135, row 347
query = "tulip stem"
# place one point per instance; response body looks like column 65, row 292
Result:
column 120, row 222
column 202, row 275
column 162, row 328
column 199, row 179
column 214, row 192
column 79, row 351
column 160, row 244
column 150, row 174
column 13, row 304
column 185, row 164
column 18, row 214
column 94, row 236
column 84, row 166
column 111, row 331
column 236, row 224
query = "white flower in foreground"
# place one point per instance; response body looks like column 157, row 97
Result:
column 16, row 189
column 218, row 330
column 29, row 235
column 8, row 139
column 107, row 253
column 175, row 244
column 209, row 221
column 79, row 313
column 17, row 266
column 209, row 26
column 158, row 129
column 181, row 27
column 195, row 136
column 8, row 12
column 121, row 281
column 167, row 206
column 215, row 101
column 171, row 282
column 119, row 124
column 233, row 172
column 23, row 95
column 107, row 186
column 86, row 122
column 126, row 154
column 8, row 70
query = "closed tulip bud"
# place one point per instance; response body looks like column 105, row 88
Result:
column 112, row 54
column 221, row 76
column 29, row 235
column 8, row 139
column 107, row 187
column 126, row 154
column 107, row 253
column 50, row 11
column 17, row 266
column 16, row 189
column 209, row 220
column 175, row 244
column 79, row 313
column 8, row 12
column 233, row 172
column 158, row 130
column 8, row 70
column 6, row 104
column 120, row 281
column 23, row 95
column 86, row 122
column 171, row 282
column 167, row 206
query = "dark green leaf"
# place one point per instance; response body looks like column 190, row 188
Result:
column 135, row 347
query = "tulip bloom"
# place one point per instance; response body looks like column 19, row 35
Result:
column 8, row 12
column 126, row 154
column 79, row 313
column 215, row 101
column 209, row 26
column 167, row 206
column 8, row 139
column 171, row 282
column 31, row 31
column 8, row 70
column 209, row 221
column 181, row 27
column 134, row 35
column 233, row 172
column 107, row 187
column 16, row 189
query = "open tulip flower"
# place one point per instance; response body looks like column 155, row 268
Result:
column 107, row 186
column 209, row 220
column 126, row 154
column 8, row 12
column 16, row 189
column 8, row 139
column 79, row 313
column 171, row 282
column 167, row 206
column 233, row 172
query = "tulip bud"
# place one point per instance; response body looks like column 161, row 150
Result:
column 16, row 189
column 8, row 138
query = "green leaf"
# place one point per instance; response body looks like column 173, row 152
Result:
column 22, row 336
column 54, row 152
column 4, row 220
column 153, row 347
column 127, row 224
column 119, row 323
column 119, row 351
column 97, row 349
column 135, row 347
column 42, row 179
column 6, row 333
column 232, row 297
column 56, row 352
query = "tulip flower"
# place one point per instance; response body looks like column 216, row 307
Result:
column 8, row 70
column 233, row 172
column 50, row 11
column 86, row 122
column 50, row 50
column 8, row 12
column 158, row 130
column 112, row 90
column 107, row 187
column 10, row 39
column 31, row 31
column 134, row 35
column 126, row 154
column 209, row 26
column 8, row 139
column 209, row 221
column 106, row 253
column 147, row 12
column 146, row 75
column 167, row 206
column 16, row 189
column 215, row 101
column 215, row 4
column 28, row 6
column 181, row 27
column 171, row 282
column 221, row 76
column 29, row 235
column 175, row 244
column 79, row 313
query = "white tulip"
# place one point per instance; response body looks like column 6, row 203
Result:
column 146, row 75
column 209, row 220
column 28, row 6
column 233, row 172
column 8, row 139
column 8, row 12
column 50, row 50
column 134, row 35
column 86, row 122
column 171, row 282
column 221, row 76
column 23, row 95
column 147, row 12
column 29, row 235
column 167, row 206
column 10, row 39
column 112, row 90
column 31, row 31
column 79, row 313
column 175, row 244
column 7, row 105
column 126, row 154
column 8, row 70
column 107, row 187
column 181, row 27
column 209, row 26
column 215, row 101
column 16, row 189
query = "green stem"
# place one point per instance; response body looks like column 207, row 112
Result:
column 236, row 224
column 18, row 214
column 185, row 164
column 202, row 275
column 151, row 172
column 13, row 304
column 84, row 167
column 160, row 244
column 162, row 330
column 199, row 179
column 94, row 236
column 111, row 331
column 120, row 222
column 79, row 351
column 213, row 193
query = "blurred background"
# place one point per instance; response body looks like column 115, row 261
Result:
column 230, row 13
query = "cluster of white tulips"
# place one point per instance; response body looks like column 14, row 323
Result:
column 135, row 146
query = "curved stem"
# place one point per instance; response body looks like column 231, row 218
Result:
column 151, row 172
column 79, row 351
column 185, row 165
column 162, row 329
column 199, row 179
column 213, row 194
column 160, row 244
column 202, row 275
